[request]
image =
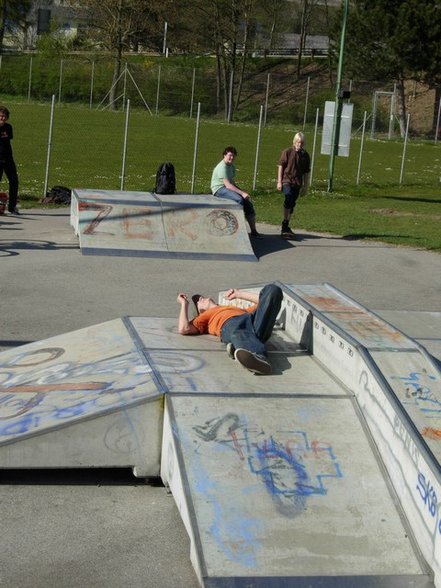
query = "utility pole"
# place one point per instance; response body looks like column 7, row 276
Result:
column 339, row 95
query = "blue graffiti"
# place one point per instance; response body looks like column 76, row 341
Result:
column 284, row 467
column 429, row 497
column 418, row 392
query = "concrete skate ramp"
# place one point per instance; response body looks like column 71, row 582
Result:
column 323, row 474
column 84, row 399
column 143, row 224
column 284, row 492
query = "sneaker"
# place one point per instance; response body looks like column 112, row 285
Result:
column 230, row 350
column 256, row 235
column 15, row 211
column 258, row 364
column 287, row 233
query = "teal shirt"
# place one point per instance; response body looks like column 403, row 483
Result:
column 221, row 172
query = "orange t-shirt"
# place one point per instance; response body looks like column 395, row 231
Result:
column 212, row 320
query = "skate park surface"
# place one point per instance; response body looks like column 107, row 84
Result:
column 103, row 528
column 143, row 224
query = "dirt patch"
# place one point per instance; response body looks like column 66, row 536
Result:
column 393, row 212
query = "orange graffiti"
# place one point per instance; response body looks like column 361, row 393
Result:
column 430, row 433
column 137, row 225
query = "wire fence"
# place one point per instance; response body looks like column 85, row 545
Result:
column 78, row 147
column 73, row 138
column 150, row 83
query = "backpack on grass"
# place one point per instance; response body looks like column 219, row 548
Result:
column 165, row 179
column 58, row 195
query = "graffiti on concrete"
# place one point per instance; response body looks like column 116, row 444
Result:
column 50, row 391
column 291, row 467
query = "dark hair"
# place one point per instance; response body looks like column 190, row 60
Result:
column 230, row 149
column 195, row 299
column 5, row 111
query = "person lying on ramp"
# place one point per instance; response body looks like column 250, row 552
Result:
column 244, row 331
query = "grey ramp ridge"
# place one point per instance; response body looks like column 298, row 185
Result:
column 143, row 224
column 322, row 474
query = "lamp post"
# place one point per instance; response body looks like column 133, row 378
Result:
column 339, row 95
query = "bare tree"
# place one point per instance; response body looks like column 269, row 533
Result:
column 117, row 25
column 274, row 15
column 307, row 7
column 229, row 25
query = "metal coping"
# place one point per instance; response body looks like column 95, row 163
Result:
column 168, row 254
column 157, row 378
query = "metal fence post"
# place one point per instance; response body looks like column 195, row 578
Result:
column 196, row 139
column 157, row 90
column 92, row 79
column 404, row 149
column 437, row 121
column 361, row 148
column 257, row 147
column 192, row 92
column 313, row 145
column 123, row 169
column 30, row 79
column 60, row 82
column 266, row 98
column 306, row 103
column 49, row 146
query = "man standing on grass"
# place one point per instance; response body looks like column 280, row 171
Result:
column 293, row 179
column 223, row 186
column 244, row 331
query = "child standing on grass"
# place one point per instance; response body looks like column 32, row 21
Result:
column 293, row 179
column 7, row 163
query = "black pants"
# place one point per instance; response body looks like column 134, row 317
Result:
column 291, row 193
column 8, row 166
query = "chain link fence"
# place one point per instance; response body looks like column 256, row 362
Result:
column 68, row 133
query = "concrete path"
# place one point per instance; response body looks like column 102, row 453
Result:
column 91, row 529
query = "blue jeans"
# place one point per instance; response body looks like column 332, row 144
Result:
column 248, row 207
column 251, row 330
column 291, row 192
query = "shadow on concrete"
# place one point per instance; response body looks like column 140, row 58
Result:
column 76, row 477
column 13, row 342
column 11, row 247
column 270, row 244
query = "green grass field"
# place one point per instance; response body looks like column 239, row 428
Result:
column 87, row 147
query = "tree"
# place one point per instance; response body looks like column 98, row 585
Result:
column 395, row 39
column 228, row 28
column 307, row 7
column 274, row 13
column 118, row 25
column 12, row 17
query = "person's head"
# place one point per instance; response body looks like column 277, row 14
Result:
column 202, row 302
column 229, row 154
column 298, row 141
column 4, row 115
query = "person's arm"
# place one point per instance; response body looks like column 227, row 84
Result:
column 230, row 186
column 305, row 185
column 185, row 326
column 279, row 177
column 235, row 293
